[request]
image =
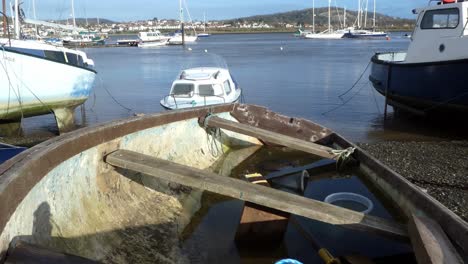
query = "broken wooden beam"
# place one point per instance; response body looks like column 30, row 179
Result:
column 430, row 243
column 269, row 136
column 235, row 188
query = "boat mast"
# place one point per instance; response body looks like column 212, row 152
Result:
column 204, row 22
column 344, row 18
column 17, row 24
column 181, row 15
column 34, row 14
column 329, row 16
column 359, row 14
column 374, row 16
column 73, row 13
column 4, row 18
column 365, row 15
column 313, row 16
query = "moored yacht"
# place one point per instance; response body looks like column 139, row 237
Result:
column 38, row 79
column 201, row 87
column 152, row 38
column 431, row 75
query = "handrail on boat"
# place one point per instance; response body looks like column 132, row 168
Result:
column 204, row 98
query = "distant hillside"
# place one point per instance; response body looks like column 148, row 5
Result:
column 82, row 21
column 304, row 17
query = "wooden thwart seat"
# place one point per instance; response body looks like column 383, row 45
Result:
column 235, row 188
column 269, row 136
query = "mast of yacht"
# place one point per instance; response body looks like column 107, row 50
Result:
column 4, row 18
column 34, row 14
column 344, row 18
column 204, row 22
column 329, row 16
column 359, row 14
column 73, row 13
column 181, row 15
column 17, row 24
column 313, row 16
column 365, row 15
column 374, row 16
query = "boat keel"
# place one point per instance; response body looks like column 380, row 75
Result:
column 65, row 118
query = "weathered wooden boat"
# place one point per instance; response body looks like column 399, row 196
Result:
column 122, row 192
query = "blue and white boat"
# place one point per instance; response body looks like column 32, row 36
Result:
column 432, row 75
column 365, row 34
column 201, row 87
column 38, row 78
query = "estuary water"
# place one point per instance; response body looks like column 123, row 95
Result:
column 296, row 77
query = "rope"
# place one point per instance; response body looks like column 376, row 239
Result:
column 113, row 98
column 215, row 133
column 358, row 80
column 343, row 156
column 345, row 102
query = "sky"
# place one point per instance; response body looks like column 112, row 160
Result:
column 130, row 10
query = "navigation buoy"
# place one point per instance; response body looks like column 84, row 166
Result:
column 281, row 48
column 206, row 50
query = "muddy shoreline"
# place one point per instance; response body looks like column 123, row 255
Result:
column 439, row 168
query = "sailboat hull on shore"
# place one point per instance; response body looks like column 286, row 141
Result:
column 33, row 85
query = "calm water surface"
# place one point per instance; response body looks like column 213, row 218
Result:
column 296, row 77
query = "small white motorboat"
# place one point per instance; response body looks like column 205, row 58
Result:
column 153, row 44
column 200, row 87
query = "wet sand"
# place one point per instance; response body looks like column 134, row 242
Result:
column 440, row 168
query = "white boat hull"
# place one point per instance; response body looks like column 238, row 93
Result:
column 35, row 86
column 324, row 36
column 152, row 44
column 177, row 40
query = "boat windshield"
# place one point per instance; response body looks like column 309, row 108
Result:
column 182, row 90
column 440, row 19
column 206, row 90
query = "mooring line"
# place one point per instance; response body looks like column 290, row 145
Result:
column 113, row 98
column 347, row 101
column 356, row 83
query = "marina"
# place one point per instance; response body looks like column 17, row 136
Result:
column 237, row 148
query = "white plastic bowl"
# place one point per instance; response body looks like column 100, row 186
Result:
column 353, row 197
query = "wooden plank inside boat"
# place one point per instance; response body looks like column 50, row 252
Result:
column 269, row 136
column 260, row 195
column 431, row 245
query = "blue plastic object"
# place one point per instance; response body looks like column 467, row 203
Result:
column 288, row 261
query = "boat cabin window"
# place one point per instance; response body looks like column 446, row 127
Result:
column 227, row 87
column 55, row 55
column 39, row 53
column 182, row 90
column 206, row 90
column 74, row 59
column 440, row 19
